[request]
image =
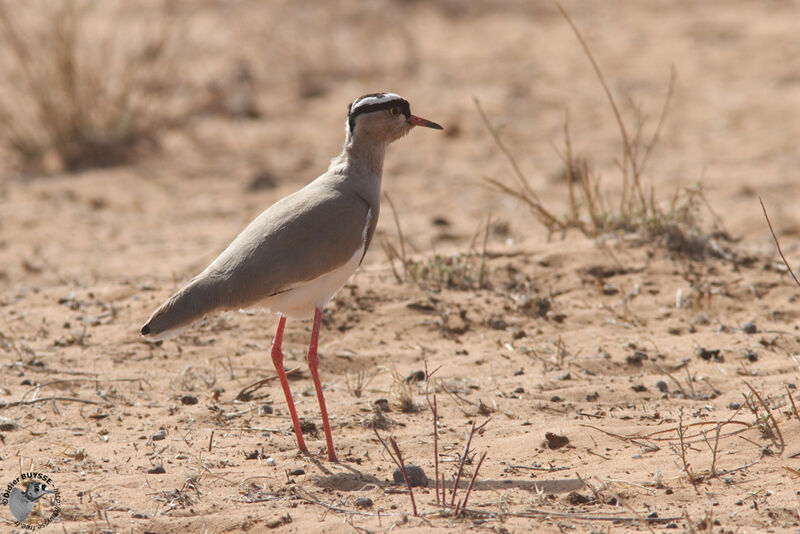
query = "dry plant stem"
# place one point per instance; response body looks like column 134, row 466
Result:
column 791, row 400
column 771, row 417
column 398, row 461
column 399, row 233
column 482, row 271
column 436, row 448
column 46, row 399
column 777, row 244
column 464, row 458
column 405, row 475
column 686, row 466
column 627, row 151
column 528, row 195
column 472, row 482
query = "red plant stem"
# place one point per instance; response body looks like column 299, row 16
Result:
column 472, row 482
column 461, row 464
column 436, row 447
column 405, row 475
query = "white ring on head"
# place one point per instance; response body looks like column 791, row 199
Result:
column 379, row 99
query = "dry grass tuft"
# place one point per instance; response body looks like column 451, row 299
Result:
column 673, row 224
column 82, row 91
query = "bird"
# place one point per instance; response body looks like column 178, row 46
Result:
column 22, row 502
column 294, row 256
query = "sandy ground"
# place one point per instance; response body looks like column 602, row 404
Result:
column 670, row 378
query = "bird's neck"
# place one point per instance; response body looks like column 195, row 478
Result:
column 362, row 158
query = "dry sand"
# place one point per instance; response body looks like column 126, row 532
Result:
column 613, row 344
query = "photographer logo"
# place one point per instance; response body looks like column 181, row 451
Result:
column 24, row 493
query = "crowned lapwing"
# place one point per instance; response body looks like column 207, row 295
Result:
column 301, row 250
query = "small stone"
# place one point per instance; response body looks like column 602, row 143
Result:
column 639, row 388
column 610, row 289
column 382, row 405
column 556, row 398
column 363, row 502
column 749, row 327
column 297, row 472
column 520, row 389
column 734, row 406
column 591, row 397
column 751, row 355
column 157, row 470
column 555, row 441
column 652, row 515
column 498, row 323
column 575, row 498
column 7, row 425
column 416, row 376
column 518, row 333
column 158, row 436
column 637, row 358
column 270, row 461
column 416, row 476
column 189, row 400
column 265, row 409
column 662, row 386
column 710, row 354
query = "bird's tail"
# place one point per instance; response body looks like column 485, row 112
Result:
column 181, row 310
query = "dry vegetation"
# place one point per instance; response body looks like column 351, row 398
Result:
column 638, row 373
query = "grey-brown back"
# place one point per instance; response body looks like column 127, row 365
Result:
column 297, row 239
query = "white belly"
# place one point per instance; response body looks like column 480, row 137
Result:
column 300, row 301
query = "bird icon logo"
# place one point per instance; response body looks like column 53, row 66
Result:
column 22, row 502
column 23, row 494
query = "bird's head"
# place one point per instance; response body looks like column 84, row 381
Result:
column 382, row 117
column 36, row 490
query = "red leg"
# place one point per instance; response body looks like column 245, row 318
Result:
column 277, row 359
column 313, row 366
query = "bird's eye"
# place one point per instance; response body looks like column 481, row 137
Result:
column 394, row 111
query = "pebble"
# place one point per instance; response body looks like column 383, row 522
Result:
column 157, row 470
column 265, row 409
column 498, row 323
column 270, row 461
column 158, row 436
column 416, row 476
column 189, row 400
column 749, row 327
column 363, row 502
column 662, row 386
column 7, row 425
column 382, row 405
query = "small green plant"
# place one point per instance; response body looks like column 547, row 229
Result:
column 81, row 90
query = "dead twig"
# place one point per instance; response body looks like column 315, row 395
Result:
column 771, row 417
column 777, row 243
column 398, row 461
column 47, row 399
column 405, row 474
column 791, row 400
column 686, row 465
column 472, row 482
